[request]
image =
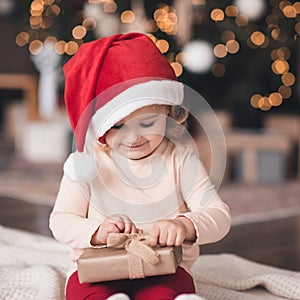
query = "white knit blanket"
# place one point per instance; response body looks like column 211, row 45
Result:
column 230, row 277
column 33, row 267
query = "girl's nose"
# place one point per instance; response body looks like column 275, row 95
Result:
column 132, row 137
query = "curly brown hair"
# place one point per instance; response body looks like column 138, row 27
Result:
column 180, row 115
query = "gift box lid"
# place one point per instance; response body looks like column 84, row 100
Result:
column 96, row 265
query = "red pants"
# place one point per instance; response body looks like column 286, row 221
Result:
column 158, row 287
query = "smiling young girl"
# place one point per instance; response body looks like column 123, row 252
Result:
column 129, row 172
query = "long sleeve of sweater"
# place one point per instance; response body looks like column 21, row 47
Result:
column 209, row 214
column 68, row 220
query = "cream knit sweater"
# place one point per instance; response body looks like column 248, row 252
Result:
column 170, row 182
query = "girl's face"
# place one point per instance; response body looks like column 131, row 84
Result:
column 139, row 134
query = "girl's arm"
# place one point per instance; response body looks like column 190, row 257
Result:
column 71, row 225
column 207, row 219
column 206, row 210
column 68, row 220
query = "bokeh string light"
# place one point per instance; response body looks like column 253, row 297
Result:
column 241, row 15
column 162, row 27
column 43, row 14
column 42, row 17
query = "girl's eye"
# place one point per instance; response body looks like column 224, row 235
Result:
column 146, row 125
column 118, row 126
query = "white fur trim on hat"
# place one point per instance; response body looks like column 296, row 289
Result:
column 164, row 92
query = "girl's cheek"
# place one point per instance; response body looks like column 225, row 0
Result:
column 160, row 129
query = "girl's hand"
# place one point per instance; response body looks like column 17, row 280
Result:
column 172, row 232
column 113, row 223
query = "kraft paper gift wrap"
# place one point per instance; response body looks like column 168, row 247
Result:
column 127, row 256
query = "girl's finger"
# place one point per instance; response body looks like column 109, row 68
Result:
column 128, row 227
column 123, row 222
column 171, row 238
column 104, row 230
column 163, row 237
column 134, row 229
column 121, row 225
column 153, row 236
column 179, row 240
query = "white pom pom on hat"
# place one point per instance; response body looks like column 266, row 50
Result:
column 105, row 81
column 80, row 167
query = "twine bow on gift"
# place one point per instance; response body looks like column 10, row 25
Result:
column 137, row 251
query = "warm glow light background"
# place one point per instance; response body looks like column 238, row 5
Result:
column 235, row 23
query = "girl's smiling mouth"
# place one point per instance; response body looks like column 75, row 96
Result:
column 135, row 146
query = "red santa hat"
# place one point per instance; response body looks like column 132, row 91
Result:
column 105, row 81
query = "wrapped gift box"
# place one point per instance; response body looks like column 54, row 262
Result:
column 96, row 265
